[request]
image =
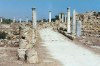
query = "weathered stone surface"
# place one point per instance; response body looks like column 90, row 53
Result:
column 90, row 24
column 32, row 56
column 21, row 54
column 27, row 41
column 2, row 44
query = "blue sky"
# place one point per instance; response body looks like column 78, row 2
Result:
column 22, row 8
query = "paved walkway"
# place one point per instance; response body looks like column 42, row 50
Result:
column 67, row 52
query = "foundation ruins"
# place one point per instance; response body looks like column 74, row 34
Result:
column 23, row 35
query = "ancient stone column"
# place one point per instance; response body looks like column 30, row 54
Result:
column 26, row 20
column 62, row 17
column 34, row 25
column 68, row 21
column 20, row 20
column 78, row 28
column 14, row 20
column 49, row 16
column 65, row 17
column 1, row 20
column 74, row 23
column 34, row 17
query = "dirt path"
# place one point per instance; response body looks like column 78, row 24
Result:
column 66, row 51
column 45, row 59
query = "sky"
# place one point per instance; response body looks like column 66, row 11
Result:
column 22, row 8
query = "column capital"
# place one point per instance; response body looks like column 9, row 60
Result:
column 68, row 9
column 33, row 9
column 50, row 11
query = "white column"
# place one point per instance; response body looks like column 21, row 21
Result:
column 74, row 22
column 26, row 20
column 68, row 21
column 20, row 20
column 42, row 20
column 1, row 20
column 62, row 17
column 78, row 28
column 65, row 17
column 34, row 23
column 34, row 17
column 14, row 20
column 49, row 16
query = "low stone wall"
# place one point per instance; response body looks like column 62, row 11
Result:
column 26, row 51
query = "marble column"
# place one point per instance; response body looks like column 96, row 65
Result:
column 74, row 23
column 62, row 17
column 1, row 20
column 78, row 28
column 49, row 16
column 26, row 20
column 68, row 21
column 65, row 17
column 20, row 20
column 14, row 20
column 34, row 23
column 34, row 17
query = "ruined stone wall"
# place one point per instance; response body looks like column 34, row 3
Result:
column 90, row 24
column 26, row 49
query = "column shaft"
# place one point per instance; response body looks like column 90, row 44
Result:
column 1, row 20
column 49, row 16
column 62, row 17
column 74, row 22
column 68, row 21
column 14, row 20
column 20, row 20
column 34, row 17
column 65, row 17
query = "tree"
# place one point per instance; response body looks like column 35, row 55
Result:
column 6, row 21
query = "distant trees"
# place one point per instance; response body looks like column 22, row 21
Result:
column 7, row 21
column 44, row 20
column 55, row 18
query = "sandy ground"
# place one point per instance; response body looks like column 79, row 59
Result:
column 66, row 51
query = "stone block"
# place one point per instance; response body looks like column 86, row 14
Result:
column 21, row 54
column 32, row 56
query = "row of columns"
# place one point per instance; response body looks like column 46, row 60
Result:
column 61, row 18
column 76, row 24
column 20, row 20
